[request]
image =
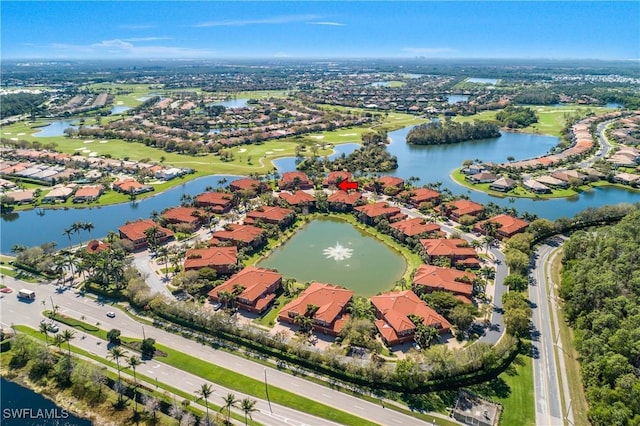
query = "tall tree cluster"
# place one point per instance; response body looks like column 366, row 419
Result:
column 601, row 289
column 436, row 133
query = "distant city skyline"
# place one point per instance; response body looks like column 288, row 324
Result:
column 209, row 30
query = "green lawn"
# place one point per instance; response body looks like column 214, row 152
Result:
column 269, row 318
column 519, row 406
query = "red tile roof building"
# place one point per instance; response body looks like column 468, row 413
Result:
column 294, row 180
column 508, row 226
column 258, row 285
column 416, row 227
column 240, row 235
column 298, row 198
column 220, row 202
column 379, row 210
column 422, row 195
column 131, row 186
column 180, row 214
column 274, row 215
column 456, row 250
column 393, row 310
column 429, row 278
column 342, row 201
column 460, row 208
column 134, row 232
column 331, row 301
column 87, row 193
column 95, row 246
column 247, row 184
column 333, row 178
column 222, row 259
column 386, row 182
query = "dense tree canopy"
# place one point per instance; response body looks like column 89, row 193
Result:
column 436, row 133
column 20, row 103
column 517, row 117
column 601, row 288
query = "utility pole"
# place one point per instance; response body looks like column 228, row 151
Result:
column 266, row 389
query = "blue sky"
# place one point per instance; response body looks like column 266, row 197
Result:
column 287, row 29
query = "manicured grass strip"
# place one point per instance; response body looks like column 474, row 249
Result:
column 141, row 377
column 519, row 406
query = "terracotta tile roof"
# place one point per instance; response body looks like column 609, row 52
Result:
column 95, row 246
column 256, row 281
column 212, row 257
column 134, row 231
column 447, row 247
column 436, row 278
column 289, row 178
column 246, row 184
column 395, row 308
column 334, row 177
column 330, row 299
column 221, row 200
column 181, row 215
column 268, row 214
column 344, row 198
column 422, row 195
column 298, row 197
column 378, row 209
column 129, row 185
column 466, row 207
column 242, row 233
column 88, row 192
column 509, row 225
column 415, row 226
column 387, row 181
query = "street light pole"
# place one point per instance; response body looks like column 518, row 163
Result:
column 266, row 389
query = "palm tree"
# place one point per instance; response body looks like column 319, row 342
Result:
column 88, row 226
column 205, row 392
column 229, row 401
column 133, row 362
column 58, row 340
column 248, row 406
column 68, row 336
column 68, row 232
column 44, row 329
column 115, row 354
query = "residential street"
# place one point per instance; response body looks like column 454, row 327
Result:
column 18, row 312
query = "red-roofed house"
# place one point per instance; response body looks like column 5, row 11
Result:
column 457, row 209
column 220, row 202
column 95, row 246
column 298, row 198
column 222, row 259
column 274, row 215
column 241, row 235
column 422, row 195
column 87, row 193
column 455, row 249
column 247, row 184
column 507, row 225
column 131, row 186
column 416, row 227
column 369, row 212
column 134, row 232
column 393, row 310
column 294, row 180
column 180, row 214
column 331, row 301
column 255, row 288
column 334, row 178
column 386, row 182
column 343, row 201
column 429, row 278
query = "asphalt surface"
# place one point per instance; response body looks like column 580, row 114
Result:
column 16, row 311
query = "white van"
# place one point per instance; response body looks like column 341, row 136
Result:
column 27, row 294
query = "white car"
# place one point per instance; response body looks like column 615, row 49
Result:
column 111, row 314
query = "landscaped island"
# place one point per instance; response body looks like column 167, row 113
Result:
column 436, row 133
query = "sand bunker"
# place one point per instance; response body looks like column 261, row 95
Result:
column 348, row 134
column 269, row 152
column 241, row 150
column 90, row 141
column 318, row 136
column 93, row 154
column 14, row 139
column 103, row 142
column 278, row 149
column 21, row 134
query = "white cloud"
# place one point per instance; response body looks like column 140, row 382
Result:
column 265, row 21
column 334, row 24
column 428, row 50
column 126, row 48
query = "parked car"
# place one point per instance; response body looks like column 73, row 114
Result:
column 111, row 314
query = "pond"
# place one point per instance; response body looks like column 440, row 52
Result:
column 452, row 99
column 119, row 109
column 333, row 251
column 235, row 103
column 482, row 80
column 380, row 84
column 55, row 128
column 16, row 398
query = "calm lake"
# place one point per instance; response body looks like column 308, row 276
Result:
column 55, row 128
column 15, row 397
column 333, row 251
column 234, row 103
column 452, row 99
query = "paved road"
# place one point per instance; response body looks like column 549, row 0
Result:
column 549, row 411
column 142, row 262
column 605, row 146
column 17, row 312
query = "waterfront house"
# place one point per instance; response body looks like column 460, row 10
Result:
column 371, row 212
column 422, row 195
column 186, row 215
column 343, row 201
column 273, row 215
column 87, row 193
column 455, row 249
column 385, row 182
column 507, row 226
column 482, row 177
column 240, row 235
column 394, row 310
column 333, row 178
column 131, row 186
column 535, row 186
column 247, row 184
column 96, row 246
column 222, row 259
column 22, row 197
column 255, row 288
column 326, row 304
column 294, row 180
column 458, row 208
column 58, row 194
column 416, row 227
column 298, row 198
column 503, row 184
column 552, row 182
column 135, row 232
column 218, row 202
